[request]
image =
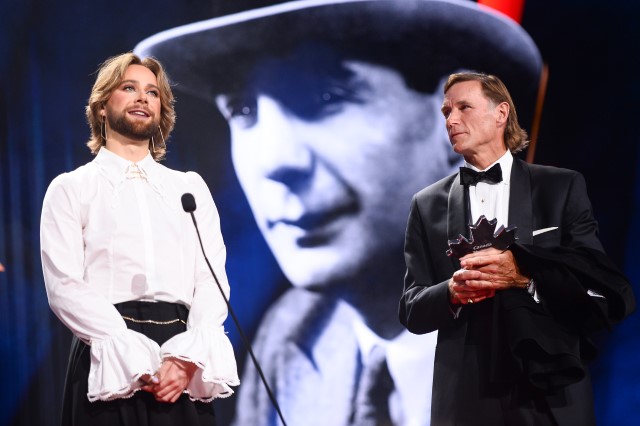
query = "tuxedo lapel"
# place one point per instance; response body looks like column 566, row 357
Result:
column 456, row 211
column 457, row 215
column 520, row 204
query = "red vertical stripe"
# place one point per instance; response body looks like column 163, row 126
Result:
column 511, row 8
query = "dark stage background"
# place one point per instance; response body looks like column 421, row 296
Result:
column 49, row 52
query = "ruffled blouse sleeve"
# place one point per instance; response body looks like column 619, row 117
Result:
column 118, row 356
column 117, row 363
column 205, row 342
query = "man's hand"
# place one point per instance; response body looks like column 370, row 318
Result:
column 172, row 378
column 461, row 293
column 483, row 272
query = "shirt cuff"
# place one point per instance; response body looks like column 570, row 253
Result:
column 118, row 362
column 455, row 311
column 531, row 289
column 211, row 351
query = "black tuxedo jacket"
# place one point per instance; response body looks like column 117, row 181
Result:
column 481, row 376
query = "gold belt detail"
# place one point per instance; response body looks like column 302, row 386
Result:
column 173, row 321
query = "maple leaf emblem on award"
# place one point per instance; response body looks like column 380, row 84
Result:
column 483, row 235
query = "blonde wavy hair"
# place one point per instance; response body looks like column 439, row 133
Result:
column 110, row 74
column 515, row 137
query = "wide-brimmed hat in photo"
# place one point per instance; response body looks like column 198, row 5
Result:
column 429, row 38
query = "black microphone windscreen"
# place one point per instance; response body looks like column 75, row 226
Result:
column 188, row 202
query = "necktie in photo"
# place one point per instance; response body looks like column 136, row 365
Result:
column 374, row 390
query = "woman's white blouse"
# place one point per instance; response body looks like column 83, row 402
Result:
column 113, row 231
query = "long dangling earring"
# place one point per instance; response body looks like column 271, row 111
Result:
column 164, row 143
column 103, row 132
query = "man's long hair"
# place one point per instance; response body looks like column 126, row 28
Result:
column 110, row 74
column 515, row 137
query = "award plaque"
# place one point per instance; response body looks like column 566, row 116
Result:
column 483, row 235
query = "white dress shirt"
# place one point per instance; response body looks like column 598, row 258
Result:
column 492, row 200
column 113, row 231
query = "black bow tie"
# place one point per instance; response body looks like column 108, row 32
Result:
column 469, row 177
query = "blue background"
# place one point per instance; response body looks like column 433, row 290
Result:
column 49, row 52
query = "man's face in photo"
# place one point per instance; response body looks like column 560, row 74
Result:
column 329, row 153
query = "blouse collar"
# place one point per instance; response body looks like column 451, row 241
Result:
column 117, row 169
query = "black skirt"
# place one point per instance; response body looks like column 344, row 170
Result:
column 141, row 409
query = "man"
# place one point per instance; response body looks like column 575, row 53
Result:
column 123, row 267
column 513, row 324
column 334, row 125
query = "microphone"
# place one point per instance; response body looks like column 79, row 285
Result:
column 188, row 203
column 189, row 206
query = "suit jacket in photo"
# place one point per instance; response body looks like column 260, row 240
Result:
column 309, row 356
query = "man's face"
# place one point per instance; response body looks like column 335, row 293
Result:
column 133, row 109
column 473, row 121
column 330, row 162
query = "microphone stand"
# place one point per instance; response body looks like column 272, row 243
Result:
column 244, row 339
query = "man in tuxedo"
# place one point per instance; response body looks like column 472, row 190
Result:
column 333, row 110
column 513, row 324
